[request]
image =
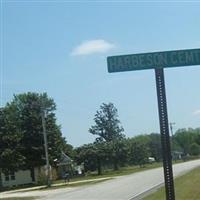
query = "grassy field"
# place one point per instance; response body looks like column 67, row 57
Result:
column 187, row 187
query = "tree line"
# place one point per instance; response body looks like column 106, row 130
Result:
column 22, row 143
column 112, row 149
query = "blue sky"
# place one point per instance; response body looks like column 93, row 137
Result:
column 60, row 47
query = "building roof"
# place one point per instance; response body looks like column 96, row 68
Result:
column 64, row 159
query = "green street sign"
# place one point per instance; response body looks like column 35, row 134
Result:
column 153, row 60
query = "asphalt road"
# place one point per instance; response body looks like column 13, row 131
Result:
column 127, row 187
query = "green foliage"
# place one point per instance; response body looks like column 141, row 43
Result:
column 22, row 142
column 107, row 127
column 87, row 154
column 21, row 136
column 184, row 138
column 155, row 146
column 194, row 149
column 11, row 158
column 139, row 150
column 107, row 124
column 31, row 106
column 197, row 135
column 117, row 152
column 42, row 178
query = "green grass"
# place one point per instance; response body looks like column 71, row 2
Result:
column 187, row 187
column 106, row 174
column 111, row 173
column 93, row 178
column 74, row 182
column 20, row 198
column 131, row 169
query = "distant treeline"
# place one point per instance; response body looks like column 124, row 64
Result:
column 137, row 150
column 22, row 143
column 113, row 149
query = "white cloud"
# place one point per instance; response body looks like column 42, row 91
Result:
column 196, row 112
column 92, row 46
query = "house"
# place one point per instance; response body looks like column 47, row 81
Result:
column 24, row 177
column 66, row 165
column 21, row 177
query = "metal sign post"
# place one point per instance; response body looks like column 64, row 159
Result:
column 164, row 130
column 187, row 57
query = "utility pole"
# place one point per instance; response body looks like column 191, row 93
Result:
column 171, row 124
column 46, row 148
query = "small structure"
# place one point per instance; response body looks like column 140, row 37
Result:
column 177, row 155
column 24, row 177
column 65, row 165
column 20, row 177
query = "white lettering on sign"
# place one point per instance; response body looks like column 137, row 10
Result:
column 149, row 60
column 189, row 57
column 163, row 59
column 181, row 57
column 120, row 63
column 153, row 60
column 197, row 53
column 156, row 60
column 127, row 61
column 173, row 58
column 135, row 61
column 141, row 60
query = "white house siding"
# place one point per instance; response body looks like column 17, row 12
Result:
column 36, row 171
column 21, row 177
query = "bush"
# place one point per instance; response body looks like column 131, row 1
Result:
column 42, row 178
column 194, row 149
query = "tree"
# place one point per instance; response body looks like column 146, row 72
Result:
column 92, row 155
column 197, row 135
column 25, row 124
column 10, row 137
column 184, row 138
column 86, row 154
column 139, row 150
column 101, row 150
column 107, row 127
column 117, row 153
column 155, row 146
column 194, row 149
